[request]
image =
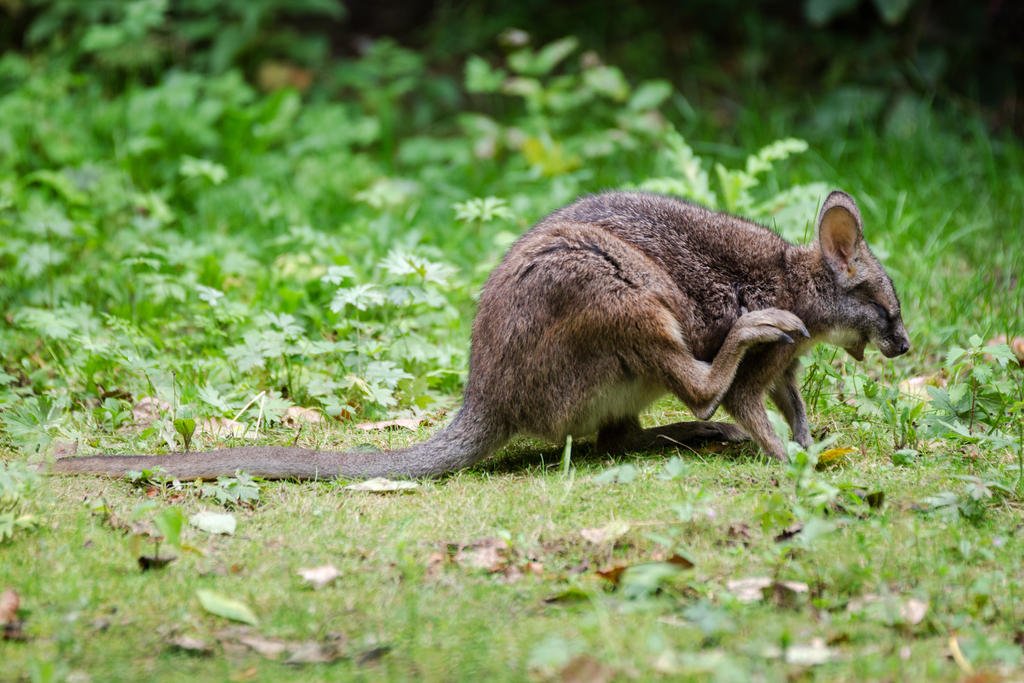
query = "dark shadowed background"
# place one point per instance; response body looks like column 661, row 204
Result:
column 881, row 54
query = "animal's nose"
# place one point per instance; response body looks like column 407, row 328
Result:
column 904, row 347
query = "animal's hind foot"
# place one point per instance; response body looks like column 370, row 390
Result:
column 693, row 432
column 770, row 324
column 668, row 436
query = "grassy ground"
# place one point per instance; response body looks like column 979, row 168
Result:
column 534, row 607
column 159, row 255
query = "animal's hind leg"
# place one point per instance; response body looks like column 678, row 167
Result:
column 627, row 435
column 747, row 408
column 619, row 435
column 785, row 392
column 701, row 386
column 692, row 432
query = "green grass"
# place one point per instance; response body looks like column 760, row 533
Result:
column 200, row 242
column 90, row 609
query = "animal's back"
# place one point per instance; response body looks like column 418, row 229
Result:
column 721, row 265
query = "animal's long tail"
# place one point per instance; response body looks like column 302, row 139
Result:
column 471, row 437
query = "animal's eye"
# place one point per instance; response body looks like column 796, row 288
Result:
column 879, row 309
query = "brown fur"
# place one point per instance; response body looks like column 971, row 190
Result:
column 609, row 303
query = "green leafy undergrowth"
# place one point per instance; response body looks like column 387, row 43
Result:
column 189, row 261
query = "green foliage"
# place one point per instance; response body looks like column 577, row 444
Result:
column 234, row 251
column 142, row 35
column 820, row 12
column 789, row 210
column 483, row 209
column 976, row 497
column 31, row 423
column 17, row 505
column 169, row 522
column 570, row 116
column 236, row 255
column 146, row 478
column 882, row 403
column 239, row 490
column 979, row 403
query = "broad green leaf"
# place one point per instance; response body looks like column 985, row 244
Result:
column 185, row 427
column 480, row 77
column 169, row 522
column 544, row 60
column 620, row 474
column 649, row 95
column 608, row 81
column 893, row 11
column 226, row 607
column 195, row 168
column 674, row 469
column 821, row 12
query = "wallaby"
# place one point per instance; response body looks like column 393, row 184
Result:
column 604, row 306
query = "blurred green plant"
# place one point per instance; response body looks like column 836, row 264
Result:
column 142, row 36
column 18, row 510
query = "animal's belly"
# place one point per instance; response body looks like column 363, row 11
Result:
column 612, row 403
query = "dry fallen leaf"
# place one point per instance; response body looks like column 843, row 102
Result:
column 738, row 533
column 811, row 653
column 487, row 553
column 833, row 456
column 492, row 555
column 271, row 648
column 64, row 449
column 614, row 574
column 214, row 522
column 372, row 655
column 313, row 652
column 910, row 611
column 748, row 589
column 703, row 665
column 913, row 611
column 320, row 576
column 788, row 593
column 917, row 387
column 299, row 652
column 752, row 589
column 435, row 563
column 297, row 414
column 223, row 427
column 611, row 531
column 245, row 674
column 9, row 602
column 274, row 75
column 814, row 652
column 1016, row 345
column 10, row 624
column 412, row 423
column 382, row 485
column 586, row 669
column 191, row 644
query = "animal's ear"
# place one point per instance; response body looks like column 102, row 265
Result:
column 839, row 231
